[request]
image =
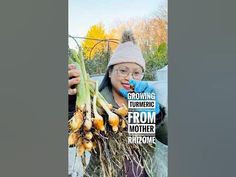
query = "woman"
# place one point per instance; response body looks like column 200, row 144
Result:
column 125, row 70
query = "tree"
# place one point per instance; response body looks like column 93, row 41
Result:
column 98, row 32
column 112, row 34
column 155, row 59
column 147, row 31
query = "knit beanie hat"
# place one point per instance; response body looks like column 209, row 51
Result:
column 127, row 51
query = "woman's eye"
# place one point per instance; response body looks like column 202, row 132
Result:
column 136, row 73
column 123, row 71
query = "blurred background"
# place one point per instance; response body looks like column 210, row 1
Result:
column 97, row 27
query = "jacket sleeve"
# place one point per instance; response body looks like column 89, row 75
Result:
column 71, row 107
column 161, row 126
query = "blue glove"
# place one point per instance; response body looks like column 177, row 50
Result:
column 141, row 87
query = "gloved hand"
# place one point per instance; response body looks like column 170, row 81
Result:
column 141, row 87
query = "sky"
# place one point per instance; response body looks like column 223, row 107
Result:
column 85, row 13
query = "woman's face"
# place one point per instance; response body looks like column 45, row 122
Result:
column 122, row 73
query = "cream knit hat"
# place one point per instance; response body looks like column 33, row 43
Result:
column 127, row 51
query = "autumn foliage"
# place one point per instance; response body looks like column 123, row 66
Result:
column 95, row 32
column 150, row 34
